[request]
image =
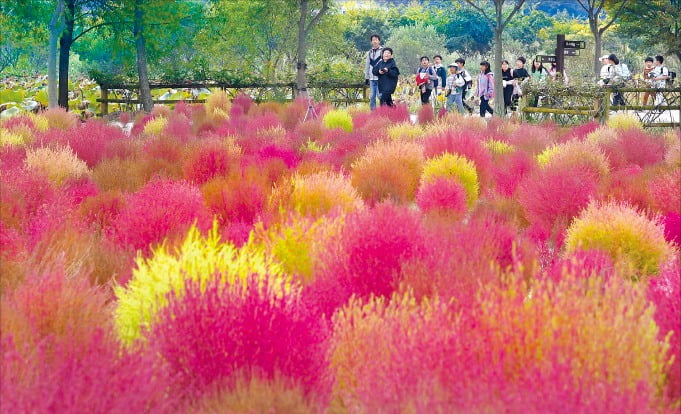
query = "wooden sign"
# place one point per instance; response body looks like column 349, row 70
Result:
column 570, row 52
column 547, row 59
column 574, row 44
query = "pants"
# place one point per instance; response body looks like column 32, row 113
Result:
column 508, row 97
column 646, row 96
column 484, row 107
column 425, row 96
column 374, row 93
column 455, row 99
column 386, row 99
column 617, row 99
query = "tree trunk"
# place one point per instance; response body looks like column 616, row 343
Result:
column 301, row 77
column 598, row 49
column 138, row 33
column 498, row 57
column 56, row 26
column 65, row 42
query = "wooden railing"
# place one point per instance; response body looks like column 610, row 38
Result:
column 337, row 94
column 665, row 114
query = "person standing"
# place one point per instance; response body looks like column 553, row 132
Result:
column 485, row 89
column 373, row 57
column 425, row 77
column 454, row 89
column 441, row 73
column 461, row 63
column 615, row 79
column 386, row 73
column 519, row 76
column 660, row 77
column 539, row 75
column 605, row 69
column 648, row 68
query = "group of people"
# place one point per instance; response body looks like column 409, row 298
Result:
column 456, row 83
column 655, row 75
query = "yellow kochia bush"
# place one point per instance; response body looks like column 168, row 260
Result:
column 627, row 235
column 57, row 164
column 450, row 166
column 576, row 153
column 200, row 259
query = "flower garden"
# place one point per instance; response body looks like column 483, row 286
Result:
column 229, row 257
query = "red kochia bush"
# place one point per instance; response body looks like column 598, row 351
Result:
column 213, row 335
column 65, row 375
column 466, row 143
column 510, row 170
column 366, row 256
column 91, row 140
column 397, row 113
column 634, row 146
column 162, row 208
column 664, row 291
column 554, row 195
column 442, row 196
column 672, row 227
column 208, row 161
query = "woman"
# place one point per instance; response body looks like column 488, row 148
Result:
column 485, row 89
column 507, row 81
column 538, row 74
column 614, row 78
column 387, row 73
column 454, row 89
column 519, row 76
column 425, row 75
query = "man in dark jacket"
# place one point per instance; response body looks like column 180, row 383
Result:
column 387, row 73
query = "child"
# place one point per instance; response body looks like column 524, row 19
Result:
column 425, row 75
column 454, row 89
column 387, row 73
column 485, row 89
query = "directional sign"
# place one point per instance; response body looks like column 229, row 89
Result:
column 547, row 59
column 574, row 44
column 570, row 52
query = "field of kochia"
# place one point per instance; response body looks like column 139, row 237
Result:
column 231, row 258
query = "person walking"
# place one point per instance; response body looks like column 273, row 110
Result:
column 485, row 90
column 454, row 89
column 520, row 74
column 614, row 79
column 387, row 73
column 648, row 68
column 373, row 57
column 507, row 81
column 538, row 74
column 441, row 73
column 660, row 75
column 461, row 63
column 425, row 77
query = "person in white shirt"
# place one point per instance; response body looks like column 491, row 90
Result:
column 454, row 89
column 373, row 56
column 460, row 63
column 659, row 76
column 605, row 69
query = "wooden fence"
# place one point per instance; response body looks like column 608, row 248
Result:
column 338, row 94
column 666, row 113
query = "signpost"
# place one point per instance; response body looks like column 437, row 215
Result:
column 565, row 48
column 547, row 59
column 574, row 44
column 571, row 52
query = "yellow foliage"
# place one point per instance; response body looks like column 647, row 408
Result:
column 156, row 126
column 56, row 164
column 623, row 121
column 499, row 147
column 198, row 258
column 406, row 131
column 454, row 167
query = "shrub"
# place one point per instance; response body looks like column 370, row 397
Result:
column 365, row 256
column 628, row 236
column 396, row 114
column 92, row 140
column 425, row 114
column 240, row 197
column 11, row 139
column 118, row 174
column 554, row 195
column 576, row 154
column 665, row 191
column 499, row 147
column 215, row 332
column 209, row 161
column 376, row 174
column 510, row 170
column 160, row 209
column 405, row 131
column 338, row 118
column 58, row 118
column 198, row 259
column 155, row 126
column 66, row 374
column 634, row 146
column 672, row 227
column 442, row 197
column 465, row 144
column 316, row 195
column 663, row 292
column 453, row 167
column 56, row 164
column 179, row 126
column 623, row 121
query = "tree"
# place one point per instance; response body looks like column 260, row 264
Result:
column 412, row 42
column 141, row 53
column 655, row 22
column 599, row 22
column 498, row 23
column 306, row 22
column 56, row 26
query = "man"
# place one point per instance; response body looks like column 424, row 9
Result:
column 659, row 78
column 374, row 55
column 605, row 69
column 460, row 63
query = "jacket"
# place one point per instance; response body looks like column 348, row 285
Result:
column 485, row 85
column 442, row 75
column 387, row 82
column 373, row 56
column 432, row 76
column 455, row 83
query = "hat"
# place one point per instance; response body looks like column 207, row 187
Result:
column 604, row 57
column 452, row 64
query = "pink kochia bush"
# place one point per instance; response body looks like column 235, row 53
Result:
column 216, row 334
column 442, row 196
column 161, row 209
column 365, row 257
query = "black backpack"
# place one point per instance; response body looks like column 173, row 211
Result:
column 672, row 76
